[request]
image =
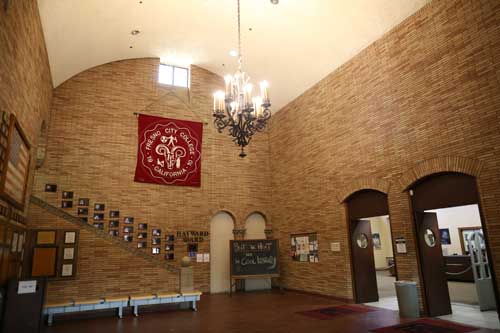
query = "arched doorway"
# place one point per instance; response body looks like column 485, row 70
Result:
column 372, row 255
column 444, row 206
column 221, row 232
column 255, row 226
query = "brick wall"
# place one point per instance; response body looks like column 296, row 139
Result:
column 25, row 90
column 92, row 145
column 424, row 98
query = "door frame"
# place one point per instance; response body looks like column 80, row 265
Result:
column 348, row 218
column 408, row 190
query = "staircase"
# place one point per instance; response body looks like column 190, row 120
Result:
column 125, row 246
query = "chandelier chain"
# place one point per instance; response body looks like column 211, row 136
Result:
column 239, row 37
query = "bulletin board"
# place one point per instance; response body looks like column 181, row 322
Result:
column 304, row 247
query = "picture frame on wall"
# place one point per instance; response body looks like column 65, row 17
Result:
column 169, row 256
column 128, row 229
column 69, row 253
column 99, row 207
column 465, row 233
column 155, row 250
column 99, row 225
column 142, row 235
column 113, row 233
column 114, row 224
column 169, row 238
column 143, row 226
column 156, row 232
column 156, row 241
column 82, row 211
column 128, row 238
column 98, row 216
column 114, row 213
column 14, row 176
column 83, row 202
column 169, row 247
column 128, row 220
column 50, row 188
column 377, row 244
column 69, row 237
column 141, row 245
column 66, row 204
column 445, row 236
column 67, row 195
column 67, row 270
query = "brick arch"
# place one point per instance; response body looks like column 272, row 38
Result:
column 214, row 212
column 431, row 166
column 366, row 183
column 260, row 213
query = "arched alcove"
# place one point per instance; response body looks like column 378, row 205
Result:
column 255, row 226
column 221, row 232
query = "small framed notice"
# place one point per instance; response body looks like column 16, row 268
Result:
column 69, row 253
column 69, row 237
column 67, row 270
column 26, row 287
column 400, row 245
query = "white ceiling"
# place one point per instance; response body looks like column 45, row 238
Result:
column 293, row 44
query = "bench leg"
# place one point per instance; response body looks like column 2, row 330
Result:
column 50, row 319
column 194, row 306
column 136, row 310
column 120, row 312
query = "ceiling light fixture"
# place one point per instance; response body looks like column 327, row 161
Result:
column 135, row 32
column 237, row 109
column 275, row 2
column 233, row 53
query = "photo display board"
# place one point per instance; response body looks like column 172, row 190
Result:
column 254, row 257
column 304, row 247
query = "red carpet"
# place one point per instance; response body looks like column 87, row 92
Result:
column 336, row 311
column 427, row 325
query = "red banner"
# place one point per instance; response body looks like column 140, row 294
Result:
column 169, row 151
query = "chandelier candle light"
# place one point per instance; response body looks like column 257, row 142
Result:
column 237, row 109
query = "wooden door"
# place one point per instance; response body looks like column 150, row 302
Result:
column 363, row 262
column 432, row 265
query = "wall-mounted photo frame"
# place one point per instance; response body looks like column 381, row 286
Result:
column 67, row 195
column 69, row 237
column 114, row 224
column 68, row 253
column 445, row 236
column 155, row 250
column 98, row 216
column 128, row 229
column 169, row 256
column 99, row 207
column 156, row 241
column 156, row 232
column 143, row 226
column 66, row 204
column 465, row 233
column 99, row 225
column 169, row 238
column 169, row 247
column 113, row 233
column 14, row 175
column 128, row 220
column 377, row 243
column 82, row 211
column 84, row 202
column 128, row 238
column 84, row 219
column 141, row 245
column 114, row 213
column 142, row 235
column 50, row 188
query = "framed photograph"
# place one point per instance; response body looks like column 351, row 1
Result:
column 114, row 224
column 128, row 220
column 377, row 244
column 170, row 238
column 99, row 207
column 98, row 216
column 83, row 202
column 70, row 237
column 143, row 226
column 113, row 233
column 169, row 247
column 141, row 245
column 128, row 238
column 84, row 219
column 155, row 250
column 67, row 270
column 46, row 237
column 156, row 232
column 99, row 225
column 66, row 204
column 14, row 176
column 114, row 213
column 82, row 211
column 142, row 235
column 69, row 253
column 128, row 229
column 67, row 195
column 169, row 256
column 156, row 241
column 50, row 188
column 445, row 236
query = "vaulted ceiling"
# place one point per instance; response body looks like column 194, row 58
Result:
column 292, row 44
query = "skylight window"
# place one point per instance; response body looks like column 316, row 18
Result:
column 174, row 76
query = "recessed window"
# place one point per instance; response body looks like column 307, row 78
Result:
column 173, row 75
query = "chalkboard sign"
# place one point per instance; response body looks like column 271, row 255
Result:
column 254, row 257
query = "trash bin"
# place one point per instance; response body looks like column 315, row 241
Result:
column 407, row 299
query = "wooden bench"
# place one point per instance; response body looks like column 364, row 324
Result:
column 165, row 298
column 52, row 309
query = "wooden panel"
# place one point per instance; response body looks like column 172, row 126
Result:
column 44, row 261
column 46, row 237
column 367, row 203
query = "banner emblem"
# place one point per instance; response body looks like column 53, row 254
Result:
column 169, row 151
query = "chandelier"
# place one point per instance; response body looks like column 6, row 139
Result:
column 236, row 107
